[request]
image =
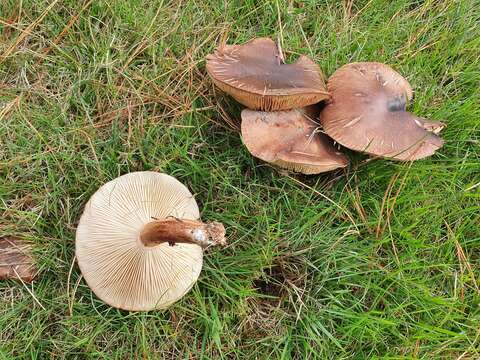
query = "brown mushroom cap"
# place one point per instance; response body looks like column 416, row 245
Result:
column 256, row 77
column 367, row 113
column 290, row 139
column 16, row 261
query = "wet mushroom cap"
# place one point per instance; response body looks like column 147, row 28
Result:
column 256, row 77
column 367, row 112
column 118, row 267
column 291, row 140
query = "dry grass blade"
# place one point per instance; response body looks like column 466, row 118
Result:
column 463, row 260
column 345, row 211
column 65, row 30
column 386, row 196
column 26, row 32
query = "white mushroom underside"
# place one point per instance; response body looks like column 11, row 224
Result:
column 115, row 264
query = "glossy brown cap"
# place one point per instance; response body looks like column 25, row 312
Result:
column 367, row 112
column 255, row 75
column 290, row 139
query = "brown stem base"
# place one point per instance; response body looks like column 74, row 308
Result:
column 174, row 231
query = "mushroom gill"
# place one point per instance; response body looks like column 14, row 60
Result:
column 139, row 242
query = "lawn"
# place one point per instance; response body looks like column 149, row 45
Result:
column 376, row 261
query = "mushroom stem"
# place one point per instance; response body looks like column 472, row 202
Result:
column 174, row 231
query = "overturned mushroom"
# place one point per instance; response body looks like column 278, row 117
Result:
column 139, row 243
column 16, row 261
column 255, row 75
column 367, row 112
column 290, row 139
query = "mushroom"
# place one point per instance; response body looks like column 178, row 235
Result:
column 16, row 261
column 254, row 74
column 139, row 242
column 367, row 113
column 291, row 140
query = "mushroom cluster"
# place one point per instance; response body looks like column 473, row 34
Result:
column 364, row 110
column 140, row 243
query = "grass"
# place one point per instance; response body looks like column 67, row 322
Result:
column 378, row 261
